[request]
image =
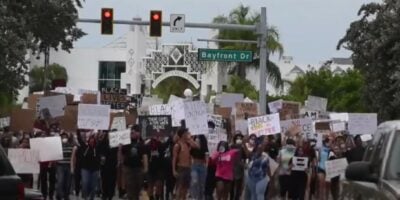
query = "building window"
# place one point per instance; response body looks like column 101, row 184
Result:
column 110, row 74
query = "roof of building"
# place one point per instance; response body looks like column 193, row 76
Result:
column 342, row 61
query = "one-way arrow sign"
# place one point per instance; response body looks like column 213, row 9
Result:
column 177, row 23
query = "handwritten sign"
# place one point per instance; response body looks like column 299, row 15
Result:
column 119, row 137
column 4, row 122
column 316, row 103
column 335, row 168
column 314, row 115
column 24, row 161
column 92, row 116
column 22, row 119
column 115, row 97
column 289, row 110
column 246, row 110
column 304, row 125
column 213, row 139
column 229, row 99
column 49, row 148
column 196, row 117
column 55, row 105
column 177, row 112
column 300, row 163
column 155, row 125
column 118, row 123
column 264, row 125
column 338, row 126
column 161, row 109
column 70, row 118
column 275, row 106
column 362, row 123
column 217, row 120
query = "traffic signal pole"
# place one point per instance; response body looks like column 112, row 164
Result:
column 260, row 29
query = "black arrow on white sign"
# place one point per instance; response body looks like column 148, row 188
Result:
column 177, row 19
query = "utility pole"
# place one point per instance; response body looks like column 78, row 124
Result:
column 263, row 61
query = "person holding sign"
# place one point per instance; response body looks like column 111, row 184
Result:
column 64, row 168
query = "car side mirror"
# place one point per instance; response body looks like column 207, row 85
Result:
column 361, row 171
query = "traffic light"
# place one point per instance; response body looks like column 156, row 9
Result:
column 155, row 23
column 107, row 17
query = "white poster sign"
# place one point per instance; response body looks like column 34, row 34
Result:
column 362, row 123
column 173, row 98
column 161, row 109
column 196, row 117
column 213, row 139
column 55, row 104
column 119, row 137
column 177, row 112
column 4, row 122
column 91, row 116
column 241, row 125
column 24, row 161
column 216, row 119
column 344, row 117
column 317, row 103
column 300, row 163
column 305, row 125
column 264, row 125
column 49, row 148
column 118, row 123
column 149, row 101
column 314, row 115
column 275, row 106
column 335, row 168
column 230, row 99
column 338, row 126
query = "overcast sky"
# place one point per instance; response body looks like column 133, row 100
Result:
column 309, row 29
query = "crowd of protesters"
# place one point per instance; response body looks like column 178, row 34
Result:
column 180, row 166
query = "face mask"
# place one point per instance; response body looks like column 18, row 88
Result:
column 238, row 141
column 343, row 146
column 65, row 140
column 221, row 149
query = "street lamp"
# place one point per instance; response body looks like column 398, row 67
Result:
column 188, row 93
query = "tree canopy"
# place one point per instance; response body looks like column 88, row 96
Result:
column 374, row 40
column 172, row 86
column 54, row 72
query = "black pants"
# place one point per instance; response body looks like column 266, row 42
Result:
column 47, row 181
column 169, row 184
column 211, row 183
column 298, row 183
column 284, row 183
column 108, row 181
column 236, row 189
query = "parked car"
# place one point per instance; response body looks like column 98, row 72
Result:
column 11, row 186
column 378, row 175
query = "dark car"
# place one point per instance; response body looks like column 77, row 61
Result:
column 378, row 175
column 11, row 186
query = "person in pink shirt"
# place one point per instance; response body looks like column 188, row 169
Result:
column 224, row 160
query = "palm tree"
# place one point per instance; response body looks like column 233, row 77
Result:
column 242, row 15
column 54, row 72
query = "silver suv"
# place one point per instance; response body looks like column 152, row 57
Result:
column 378, row 175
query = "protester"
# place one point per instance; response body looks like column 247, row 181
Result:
column 323, row 155
column 76, row 164
column 299, row 178
column 169, row 175
column 199, row 168
column 357, row 153
column 27, row 179
column 108, row 167
column 285, row 155
column 47, row 175
column 135, row 164
column 156, row 171
column 238, row 179
column 181, row 163
column 63, row 168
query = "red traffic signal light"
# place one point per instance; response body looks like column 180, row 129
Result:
column 107, row 18
column 155, row 23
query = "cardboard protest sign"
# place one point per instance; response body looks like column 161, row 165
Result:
column 89, row 98
column 4, row 122
column 196, row 117
column 264, row 125
column 55, row 105
column 33, row 101
column 118, row 123
column 362, row 123
column 230, row 99
column 316, row 103
column 155, row 125
column 22, row 120
column 300, row 163
column 93, row 116
column 338, row 126
column 115, row 97
column 323, row 126
column 177, row 112
column 49, row 148
column 217, row 120
column 84, row 91
column 335, row 168
column 305, row 125
column 24, row 161
column 275, row 106
column 173, row 98
column 225, row 112
column 246, row 110
column 119, row 137
column 161, row 109
column 69, row 121
column 289, row 110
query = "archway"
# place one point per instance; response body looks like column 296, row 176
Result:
column 173, row 85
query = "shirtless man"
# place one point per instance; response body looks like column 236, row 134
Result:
column 181, row 163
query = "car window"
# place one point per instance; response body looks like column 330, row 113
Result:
column 378, row 154
column 5, row 165
column 393, row 165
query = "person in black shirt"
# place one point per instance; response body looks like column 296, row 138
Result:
column 135, row 164
column 108, row 167
column 156, row 170
column 169, row 175
column 199, row 167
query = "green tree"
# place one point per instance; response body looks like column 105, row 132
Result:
column 172, row 86
column 242, row 15
column 54, row 72
column 343, row 91
column 374, row 40
column 35, row 25
column 243, row 86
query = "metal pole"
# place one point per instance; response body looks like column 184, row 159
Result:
column 263, row 60
column 45, row 69
column 228, row 41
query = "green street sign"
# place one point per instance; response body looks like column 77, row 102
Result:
column 225, row 55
